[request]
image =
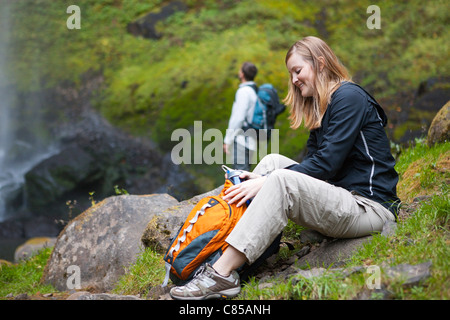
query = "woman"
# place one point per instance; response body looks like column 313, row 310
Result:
column 345, row 187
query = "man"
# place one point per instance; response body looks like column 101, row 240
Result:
column 239, row 147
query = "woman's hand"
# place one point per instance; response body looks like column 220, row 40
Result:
column 245, row 190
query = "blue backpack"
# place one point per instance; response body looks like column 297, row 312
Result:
column 267, row 108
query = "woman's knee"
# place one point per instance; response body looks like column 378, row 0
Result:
column 272, row 162
column 279, row 179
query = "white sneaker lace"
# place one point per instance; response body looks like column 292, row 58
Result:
column 199, row 278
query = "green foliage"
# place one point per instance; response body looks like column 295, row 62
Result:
column 147, row 272
column 325, row 287
column 419, row 150
column 120, row 191
column 91, row 198
column 423, row 170
column 25, row 276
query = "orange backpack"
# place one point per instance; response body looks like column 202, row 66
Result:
column 202, row 237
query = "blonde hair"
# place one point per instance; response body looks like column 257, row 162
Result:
column 310, row 110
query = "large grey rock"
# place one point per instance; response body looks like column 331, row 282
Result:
column 102, row 241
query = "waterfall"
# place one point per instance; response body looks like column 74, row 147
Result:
column 20, row 146
column 4, row 96
column 5, row 108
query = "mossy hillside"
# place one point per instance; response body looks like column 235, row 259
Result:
column 423, row 171
column 44, row 52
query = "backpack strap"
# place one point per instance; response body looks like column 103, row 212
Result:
column 253, row 86
column 166, row 277
column 183, row 238
column 247, row 124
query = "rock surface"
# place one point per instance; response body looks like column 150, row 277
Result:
column 32, row 246
column 103, row 241
column 439, row 129
column 84, row 295
column 334, row 252
column 410, row 275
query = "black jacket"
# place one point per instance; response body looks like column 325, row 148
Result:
column 351, row 149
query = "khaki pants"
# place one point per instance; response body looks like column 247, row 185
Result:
column 313, row 203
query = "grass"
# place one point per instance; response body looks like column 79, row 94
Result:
column 147, row 272
column 423, row 170
column 25, row 276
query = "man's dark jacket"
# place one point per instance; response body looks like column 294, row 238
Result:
column 351, row 149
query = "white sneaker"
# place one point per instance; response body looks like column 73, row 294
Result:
column 208, row 284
